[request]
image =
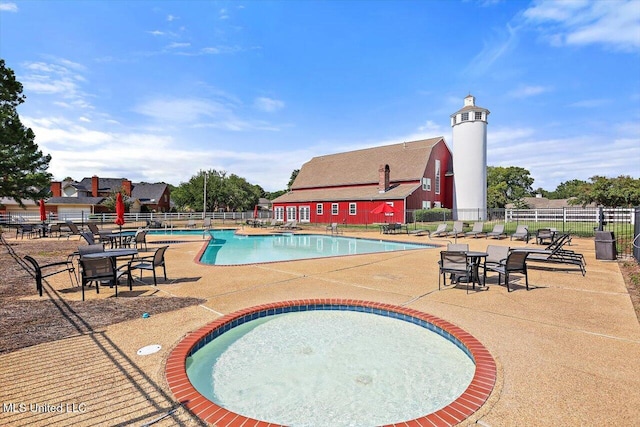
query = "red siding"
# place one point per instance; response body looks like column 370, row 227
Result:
column 362, row 215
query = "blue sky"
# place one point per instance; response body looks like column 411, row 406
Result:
column 158, row 90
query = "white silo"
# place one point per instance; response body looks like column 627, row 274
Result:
column 470, row 161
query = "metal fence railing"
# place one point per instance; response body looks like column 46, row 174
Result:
column 583, row 222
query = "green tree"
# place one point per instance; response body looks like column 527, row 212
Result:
column 110, row 201
column 507, row 185
column 23, row 167
column 623, row 191
column 293, row 177
column 568, row 189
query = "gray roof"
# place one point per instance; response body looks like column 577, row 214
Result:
column 148, row 192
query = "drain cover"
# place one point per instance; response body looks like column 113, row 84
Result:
column 150, row 349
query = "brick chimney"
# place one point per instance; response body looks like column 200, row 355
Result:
column 126, row 186
column 95, row 185
column 56, row 188
column 383, row 178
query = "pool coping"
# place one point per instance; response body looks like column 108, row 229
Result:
column 470, row 401
column 198, row 256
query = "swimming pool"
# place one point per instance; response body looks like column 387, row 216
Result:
column 228, row 248
column 463, row 395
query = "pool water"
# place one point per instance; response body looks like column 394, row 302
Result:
column 331, row 368
column 228, row 248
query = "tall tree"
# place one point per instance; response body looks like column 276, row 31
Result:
column 620, row 192
column 507, row 185
column 567, row 189
column 23, row 167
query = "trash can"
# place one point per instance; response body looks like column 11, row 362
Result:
column 605, row 245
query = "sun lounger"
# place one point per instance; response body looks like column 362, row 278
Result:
column 497, row 232
column 441, row 231
column 457, row 229
column 476, row 231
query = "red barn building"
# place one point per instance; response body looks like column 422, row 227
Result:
column 346, row 187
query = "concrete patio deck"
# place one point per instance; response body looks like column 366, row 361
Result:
column 567, row 351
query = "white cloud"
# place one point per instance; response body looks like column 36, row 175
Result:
column 269, row 105
column 613, row 23
column 177, row 45
column 527, row 91
column 493, row 50
column 8, row 7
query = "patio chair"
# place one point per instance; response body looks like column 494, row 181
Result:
column 154, row 224
column 522, row 233
column 150, row 263
column 60, row 267
column 140, row 238
column 476, row 231
column 495, row 256
column 497, row 232
column 457, row 264
column 101, row 270
column 543, row 234
column 457, row 229
column 516, row 262
column 54, row 229
column 191, row 223
column 457, row 247
column 206, row 223
column 29, row 229
column 333, row 228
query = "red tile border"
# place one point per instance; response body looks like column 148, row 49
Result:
column 464, row 406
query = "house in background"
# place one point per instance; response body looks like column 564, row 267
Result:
column 346, row 187
column 79, row 199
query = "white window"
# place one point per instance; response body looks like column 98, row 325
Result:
column 291, row 213
column 426, row 204
column 478, row 115
column 352, row 209
column 465, row 117
column 279, row 213
column 437, row 189
column 319, row 209
column 305, row 213
column 426, row 184
column 334, row 209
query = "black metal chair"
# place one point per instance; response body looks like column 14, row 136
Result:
column 101, row 270
column 150, row 263
column 60, row 267
column 458, row 265
column 516, row 262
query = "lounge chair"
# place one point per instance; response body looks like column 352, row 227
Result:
column 60, row 267
column 516, row 262
column 497, row 232
column 441, row 231
column 88, row 236
column 457, row 264
column 558, row 258
column 522, row 233
column 496, row 255
column 291, row 225
column 206, row 223
column 191, row 223
column 476, row 231
column 73, row 230
column 154, row 224
column 458, row 227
